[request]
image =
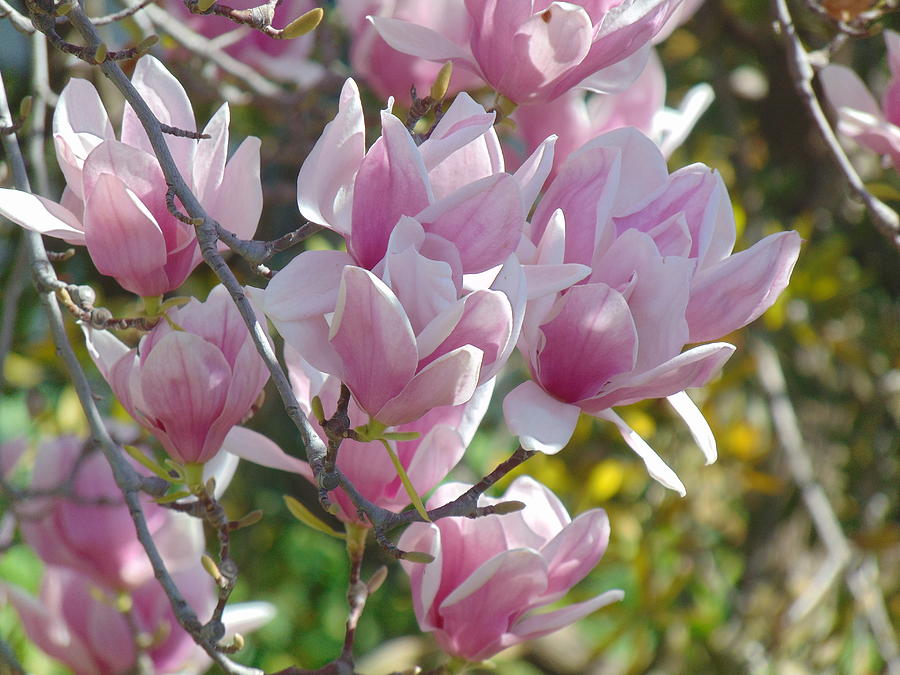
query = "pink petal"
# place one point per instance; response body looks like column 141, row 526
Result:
column 656, row 467
column 124, row 239
column 185, row 384
column 209, row 159
column 325, row 182
column 844, row 89
column 254, row 447
column 239, row 199
column 450, row 380
column 484, row 219
column 41, row 215
column 373, row 336
column 697, row 424
column 169, row 102
column 591, row 339
column 479, row 611
column 541, row 422
column 534, row 626
column 575, row 551
column 417, row 40
column 464, row 122
column 391, row 182
column 535, row 170
column 733, row 293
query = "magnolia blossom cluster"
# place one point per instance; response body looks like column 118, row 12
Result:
column 567, row 247
column 100, row 606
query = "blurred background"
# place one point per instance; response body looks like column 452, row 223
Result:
column 732, row 578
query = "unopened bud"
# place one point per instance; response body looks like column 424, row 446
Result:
column 317, row 410
column 63, row 8
column 100, row 53
column 204, row 5
column 83, row 295
column 211, row 568
column 302, row 24
column 508, row 507
column 100, row 316
column 442, row 81
column 250, row 519
column 375, row 581
column 146, row 44
column 25, row 107
column 418, row 557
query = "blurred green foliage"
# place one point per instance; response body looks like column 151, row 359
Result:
column 708, row 578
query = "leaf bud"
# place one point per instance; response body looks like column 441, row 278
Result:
column 303, row 24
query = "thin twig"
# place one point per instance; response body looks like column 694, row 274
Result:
column 205, row 48
column 861, row 578
column 128, row 480
column 19, row 21
column 885, row 218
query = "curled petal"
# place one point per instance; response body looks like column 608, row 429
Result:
column 541, row 422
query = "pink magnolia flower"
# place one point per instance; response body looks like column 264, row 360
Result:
column 491, row 575
column 536, row 51
column 189, row 385
column 453, row 184
column 115, row 196
column 874, row 126
column 79, row 624
column 663, row 276
column 577, row 116
column 444, row 435
column 88, row 528
column 284, row 60
column 405, row 337
column 389, row 72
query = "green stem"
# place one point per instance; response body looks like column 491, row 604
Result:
column 407, row 484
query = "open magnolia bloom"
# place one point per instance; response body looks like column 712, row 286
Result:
column 405, row 337
column 535, row 51
column 493, row 576
column 662, row 276
column 115, row 197
column 81, row 624
column 860, row 117
column 190, row 380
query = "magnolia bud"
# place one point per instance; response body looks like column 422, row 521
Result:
column 303, row 24
column 442, row 81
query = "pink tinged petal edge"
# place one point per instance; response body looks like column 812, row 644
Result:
column 124, row 239
column 325, row 182
column 41, row 215
column 733, row 293
column 209, row 159
column 185, row 383
column 425, row 580
column 238, row 200
column 536, row 625
column 372, row 334
column 699, row 427
column 254, row 447
column 464, row 122
column 449, row 380
column 656, row 467
column 844, row 89
column 420, row 41
column 534, row 171
column 541, row 422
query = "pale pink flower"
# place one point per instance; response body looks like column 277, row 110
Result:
column 405, row 337
column 492, row 575
column 453, row 184
column 389, row 72
column 444, row 435
column 79, row 624
column 283, row 60
column 536, row 51
column 874, row 126
column 662, row 276
column 188, row 385
column 74, row 529
column 115, row 196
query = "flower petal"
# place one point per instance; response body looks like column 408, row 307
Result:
column 541, row 422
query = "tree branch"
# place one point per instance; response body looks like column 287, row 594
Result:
column 885, row 218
